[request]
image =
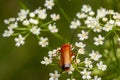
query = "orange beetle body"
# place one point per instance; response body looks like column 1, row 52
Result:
column 65, row 57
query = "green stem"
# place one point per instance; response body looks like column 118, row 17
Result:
column 49, row 48
column 52, row 64
column 76, row 68
column 81, row 67
column 107, row 34
column 114, row 50
column 27, row 35
column 22, row 29
column 89, row 30
column 77, row 56
column 62, row 11
column 18, row 33
column 81, row 63
column 45, row 24
column 71, row 76
column 116, row 34
column 55, row 34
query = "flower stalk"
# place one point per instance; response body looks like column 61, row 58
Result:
column 114, row 51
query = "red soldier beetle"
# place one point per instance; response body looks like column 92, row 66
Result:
column 65, row 56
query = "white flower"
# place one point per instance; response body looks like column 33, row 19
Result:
column 12, row 19
column 22, row 14
column 101, row 13
column 82, row 36
column 88, row 63
column 104, row 19
column 101, row 66
column 41, row 13
column 111, row 22
column 117, row 23
column 32, row 14
column 49, row 4
column 19, row 41
column 52, row 28
column 71, row 70
column 119, row 40
column 97, row 28
column 13, row 25
column 86, row 74
column 55, row 17
column 26, row 23
column 80, row 44
column 92, row 22
column 95, row 55
column 54, row 76
column 81, row 15
column 116, row 16
column 81, row 51
column 8, row 21
column 8, row 33
column 46, row 61
column 52, row 53
column 74, row 24
column 70, row 79
column 77, row 61
column 98, row 40
column 35, row 30
column 86, row 8
column 96, row 78
column 108, row 27
column 91, row 13
column 33, row 21
column 43, row 42
column 110, row 12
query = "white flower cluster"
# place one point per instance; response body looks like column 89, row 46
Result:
column 89, row 62
column 54, row 76
column 95, row 22
column 84, row 66
column 51, row 54
column 81, row 46
column 32, row 22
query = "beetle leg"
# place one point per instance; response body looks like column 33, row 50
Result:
column 59, row 62
column 73, row 55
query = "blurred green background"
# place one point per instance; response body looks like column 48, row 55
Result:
column 23, row 63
